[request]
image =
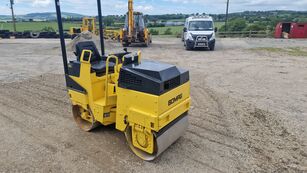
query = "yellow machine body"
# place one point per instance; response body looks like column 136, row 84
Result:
column 113, row 34
column 147, row 100
column 144, row 114
column 130, row 18
column 89, row 24
column 132, row 32
column 148, row 113
column 100, row 98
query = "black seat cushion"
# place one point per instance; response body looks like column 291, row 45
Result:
column 88, row 45
column 98, row 63
column 100, row 67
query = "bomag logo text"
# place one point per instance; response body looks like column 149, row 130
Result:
column 174, row 100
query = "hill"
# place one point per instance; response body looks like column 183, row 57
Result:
column 247, row 15
column 51, row 16
column 251, row 16
column 42, row 16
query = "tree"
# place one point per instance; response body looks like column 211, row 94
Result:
column 168, row 31
column 154, row 32
column 235, row 25
column 301, row 19
column 108, row 20
column 256, row 27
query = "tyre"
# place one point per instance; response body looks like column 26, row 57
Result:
column 73, row 36
column 212, row 47
column 187, row 47
column 125, row 44
column 34, row 34
column 147, row 43
column 26, row 34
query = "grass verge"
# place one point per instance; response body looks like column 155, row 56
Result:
column 293, row 51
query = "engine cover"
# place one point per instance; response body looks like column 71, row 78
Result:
column 152, row 77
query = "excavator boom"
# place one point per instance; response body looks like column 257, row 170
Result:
column 130, row 18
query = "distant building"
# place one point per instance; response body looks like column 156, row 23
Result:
column 291, row 30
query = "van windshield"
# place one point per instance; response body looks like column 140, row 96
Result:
column 200, row 26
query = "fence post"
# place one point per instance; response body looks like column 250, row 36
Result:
column 267, row 32
column 250, row 33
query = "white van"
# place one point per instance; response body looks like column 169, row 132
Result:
column 199, row 32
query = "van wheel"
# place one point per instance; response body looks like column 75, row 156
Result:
column 126, row 44
column 147, row 43
column 212, row 47
column 187, row 47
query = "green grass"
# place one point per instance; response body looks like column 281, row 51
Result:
column 165, row 36
column 176, row 30
column 219, row 24
column 297, row 51
column 38, row 26
column 268, row 49
column 35, row 26
column 293, row 51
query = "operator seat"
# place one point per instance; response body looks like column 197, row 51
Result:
column 98, row 63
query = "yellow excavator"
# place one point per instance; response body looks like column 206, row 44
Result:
column 135, row 30
column 147, row 100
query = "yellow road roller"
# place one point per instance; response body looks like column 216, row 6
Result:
column 147, row 100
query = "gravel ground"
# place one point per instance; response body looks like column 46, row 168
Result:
column 249, row 111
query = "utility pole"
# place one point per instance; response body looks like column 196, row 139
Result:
column 226, row 20
column 13, row 16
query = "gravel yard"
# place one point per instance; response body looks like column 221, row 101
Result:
column 249, row 111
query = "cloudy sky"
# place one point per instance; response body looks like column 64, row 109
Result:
column 88, row 7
